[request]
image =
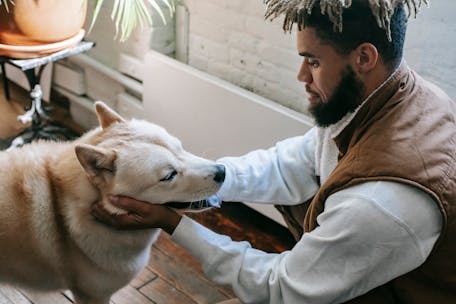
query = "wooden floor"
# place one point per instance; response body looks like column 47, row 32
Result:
column 172, row 275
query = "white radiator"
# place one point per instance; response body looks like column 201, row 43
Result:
column 212, row 117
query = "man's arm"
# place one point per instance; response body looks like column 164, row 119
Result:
column 283, row 174
column 366, row 237
column 361, row 243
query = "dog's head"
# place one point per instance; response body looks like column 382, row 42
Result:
column 139, row 159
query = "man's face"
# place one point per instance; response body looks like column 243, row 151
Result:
column 332, row 86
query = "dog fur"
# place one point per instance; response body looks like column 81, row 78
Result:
column 48, row 238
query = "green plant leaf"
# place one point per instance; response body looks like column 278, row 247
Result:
column 96, row 11
column 5, row 3
column 126, row 14
column 157, row 8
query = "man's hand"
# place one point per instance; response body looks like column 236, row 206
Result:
column 140, row 215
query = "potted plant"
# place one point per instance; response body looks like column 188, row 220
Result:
column 35, row 22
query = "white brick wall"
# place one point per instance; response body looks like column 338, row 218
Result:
column 230, row 39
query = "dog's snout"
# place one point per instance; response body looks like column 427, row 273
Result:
column 219, row 176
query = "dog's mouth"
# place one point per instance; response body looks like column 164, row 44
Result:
column 196, row 206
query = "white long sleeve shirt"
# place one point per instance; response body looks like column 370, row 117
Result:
column 368, row 234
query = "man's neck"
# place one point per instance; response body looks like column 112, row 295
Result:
column 338, row 127
column 376, row 78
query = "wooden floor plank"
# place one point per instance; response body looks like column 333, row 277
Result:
column 169, row 267
column 161, row 292
column 130, row 295
column 183, row 258
column 143, row 278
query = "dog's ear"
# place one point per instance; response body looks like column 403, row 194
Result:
column 106, row 116
column 98, row 163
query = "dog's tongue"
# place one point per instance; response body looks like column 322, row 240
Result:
column 207, row 203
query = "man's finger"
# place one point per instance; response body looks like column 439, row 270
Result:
column 128, row 204
column 101, row 214
column 119, row 221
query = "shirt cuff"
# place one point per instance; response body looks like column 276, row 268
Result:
column 225, row 191
column 197, row 239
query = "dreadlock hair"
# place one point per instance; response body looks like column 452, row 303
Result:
column 345, row 24
column 359, row 26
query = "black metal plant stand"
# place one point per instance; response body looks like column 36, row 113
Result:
column 42, row 127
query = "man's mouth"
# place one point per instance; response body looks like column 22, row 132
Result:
column 312, row 96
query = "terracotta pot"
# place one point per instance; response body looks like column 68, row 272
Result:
column 34, row 22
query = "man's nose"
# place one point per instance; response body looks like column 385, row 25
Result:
column 304, row 74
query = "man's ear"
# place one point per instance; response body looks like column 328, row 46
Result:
column 366, row 57
column 98, row 163
column 106, row 116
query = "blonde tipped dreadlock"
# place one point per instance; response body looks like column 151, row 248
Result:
column 294, row 9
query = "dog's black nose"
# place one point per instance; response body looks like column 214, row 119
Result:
column 219, row 176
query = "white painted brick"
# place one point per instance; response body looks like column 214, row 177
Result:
column 236, row 5
column 201, row 63
column 244, row 80
column 197, row 46
column 245, row 61
column 252, row 8
column 285, row 58
column 215, row 13
column 269, row 72
column 282, row 96
column 209, row 48
column 290, row 82
column 209, row 30
column 260, row 53
column 221, row 70
column 259, row 27
column 244, row 41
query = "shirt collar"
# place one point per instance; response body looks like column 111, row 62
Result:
column 338, row 127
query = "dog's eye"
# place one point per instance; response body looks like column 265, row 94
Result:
column 169, row 177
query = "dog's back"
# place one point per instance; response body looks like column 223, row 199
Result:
column 29, row 224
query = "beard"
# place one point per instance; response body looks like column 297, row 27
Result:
column 346, row 98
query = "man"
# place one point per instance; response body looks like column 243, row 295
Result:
column 378, row 173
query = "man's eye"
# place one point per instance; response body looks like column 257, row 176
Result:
column 169, row 177
column 313, row 63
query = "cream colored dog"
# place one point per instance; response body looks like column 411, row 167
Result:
column 48, row 238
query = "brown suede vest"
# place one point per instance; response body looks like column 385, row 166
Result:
column 405, row 132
